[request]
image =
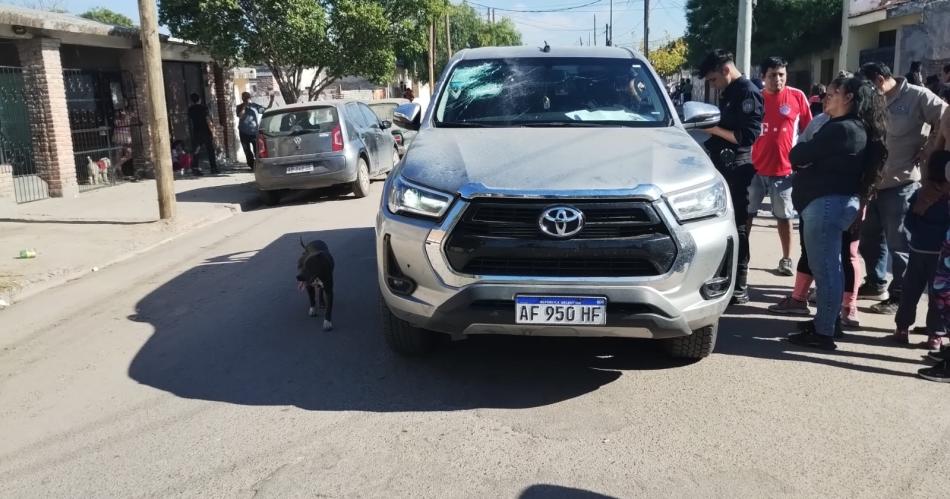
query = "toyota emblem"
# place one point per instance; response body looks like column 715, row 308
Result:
column 561, row 221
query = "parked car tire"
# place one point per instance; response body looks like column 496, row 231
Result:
column 404, row 338
column 270, row 198
column 695, row 346
column 360, row 186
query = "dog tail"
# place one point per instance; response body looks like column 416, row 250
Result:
column 302, row 245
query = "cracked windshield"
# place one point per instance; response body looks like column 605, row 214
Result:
column 551, row 92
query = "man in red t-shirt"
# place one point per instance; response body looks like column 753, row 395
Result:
column 787, row 113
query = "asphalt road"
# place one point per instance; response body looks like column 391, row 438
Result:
column 194, row 370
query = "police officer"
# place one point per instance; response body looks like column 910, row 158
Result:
column 730, row 146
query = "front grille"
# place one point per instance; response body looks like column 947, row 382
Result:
column 619, row 239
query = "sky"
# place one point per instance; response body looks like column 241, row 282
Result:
column 667, row 19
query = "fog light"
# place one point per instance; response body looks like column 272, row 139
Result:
column 719, row 284
column 397, row 282
column 401, row 285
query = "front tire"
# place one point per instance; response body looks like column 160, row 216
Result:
column 404, row 338
column 360, row 186
column 695, row 346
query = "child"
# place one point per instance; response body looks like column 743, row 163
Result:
column 181, row 159
column 940, row 298
column 927, row 222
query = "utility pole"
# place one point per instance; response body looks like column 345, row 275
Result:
column 448, row 32
column 431, row 57
column 611, row 36
column 607, row 35
column 595, row 30
column 744, row 37
column 646, row 28
column 157, row 111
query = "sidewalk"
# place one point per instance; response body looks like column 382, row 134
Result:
column 73, row 237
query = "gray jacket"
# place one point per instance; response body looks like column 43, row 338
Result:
column 912, row 112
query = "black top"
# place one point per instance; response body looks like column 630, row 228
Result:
column 198, row 115
column 830, row 163
column 742, row 109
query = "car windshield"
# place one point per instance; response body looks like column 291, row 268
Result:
column 383, row 111
column 299, row 121
column 551, row 92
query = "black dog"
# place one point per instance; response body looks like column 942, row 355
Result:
column 315, row 271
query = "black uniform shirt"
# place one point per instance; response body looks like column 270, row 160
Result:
column 742, row 110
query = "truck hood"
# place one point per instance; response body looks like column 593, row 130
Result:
column 556, row 159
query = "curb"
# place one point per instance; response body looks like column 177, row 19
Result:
column 18, row 294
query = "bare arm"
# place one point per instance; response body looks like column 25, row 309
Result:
column 722, row 133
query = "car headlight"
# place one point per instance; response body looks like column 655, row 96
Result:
column 706, row 201
column 406, row 197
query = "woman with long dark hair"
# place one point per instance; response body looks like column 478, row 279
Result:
column 836, row 172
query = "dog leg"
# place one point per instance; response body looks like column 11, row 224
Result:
column 328, row 294
column 312, row 295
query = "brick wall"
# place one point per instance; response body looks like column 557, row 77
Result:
column 133, row 61
column 224, row 91
column 49, row 118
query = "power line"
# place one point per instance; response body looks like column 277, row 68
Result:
column 559, row 9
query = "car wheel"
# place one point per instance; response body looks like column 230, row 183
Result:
column 270, row 198
column 360, row 186
column 695, row 346
column 404, row 338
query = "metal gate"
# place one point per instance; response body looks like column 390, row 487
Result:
column 16, row 140
column 105, row 126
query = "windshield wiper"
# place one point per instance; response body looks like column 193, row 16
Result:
column 464, row 124
column 581, row 124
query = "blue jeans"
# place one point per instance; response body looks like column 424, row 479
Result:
column 883, row 234
column 825, row 219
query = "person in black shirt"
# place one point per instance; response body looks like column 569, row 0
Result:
column 836, row 172
column 201, row 135
column 730, row 147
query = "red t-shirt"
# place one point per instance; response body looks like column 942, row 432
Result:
column 787, row 113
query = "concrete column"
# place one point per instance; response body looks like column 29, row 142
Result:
column 7, row 196
column 133, row 61
column 49, row 117
column 845, row 38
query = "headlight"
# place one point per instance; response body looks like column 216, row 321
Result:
column 706, row 201
column 405, row 197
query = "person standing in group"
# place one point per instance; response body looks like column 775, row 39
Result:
column 817, row 98
column 927, row 221
column 730, row 146
column 201, row 136
column 787, row 113
column 914, row 76
column 835, row 170
column 249, row 121
column 910, row 109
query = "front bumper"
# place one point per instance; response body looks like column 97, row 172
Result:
column 664, row 306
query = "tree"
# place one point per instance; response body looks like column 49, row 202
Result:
column 787, row 28
column 669, row 59
column 335, row 37
column 107, row 16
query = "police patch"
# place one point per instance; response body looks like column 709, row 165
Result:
column 748, row 106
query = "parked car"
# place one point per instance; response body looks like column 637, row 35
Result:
column 384, row 110
column 321, row 144
column 555, row 192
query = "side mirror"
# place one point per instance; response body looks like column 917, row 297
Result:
column 385, row 124
column 699, row 115
column 408, row 116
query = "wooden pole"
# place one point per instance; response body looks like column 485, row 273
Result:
column 157, row 111
column 646, row 28
column 448, row 36
column 431, row 58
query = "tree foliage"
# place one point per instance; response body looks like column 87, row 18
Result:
column 787, row 28
column 107, row 16
column 669, row 59
column 335, row 37
column 468, row 29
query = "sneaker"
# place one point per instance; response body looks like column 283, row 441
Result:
column 809, row 327
column 900, row 336
column 886, row 307
column 813, row 340
column 790, row 306
column 739, row 298
column 813, row 296
column 849, row 318
column 934, row 343
column 872, row 292
column 785, row 267
column 939, row 355
column 939, row 373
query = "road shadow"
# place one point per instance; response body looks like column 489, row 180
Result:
column 235, row 329
column 244, row 194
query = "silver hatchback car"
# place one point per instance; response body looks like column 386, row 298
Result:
column 555, row 192
column 321, row 144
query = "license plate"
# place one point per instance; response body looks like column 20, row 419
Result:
column 299, row 169
column 565, row 310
